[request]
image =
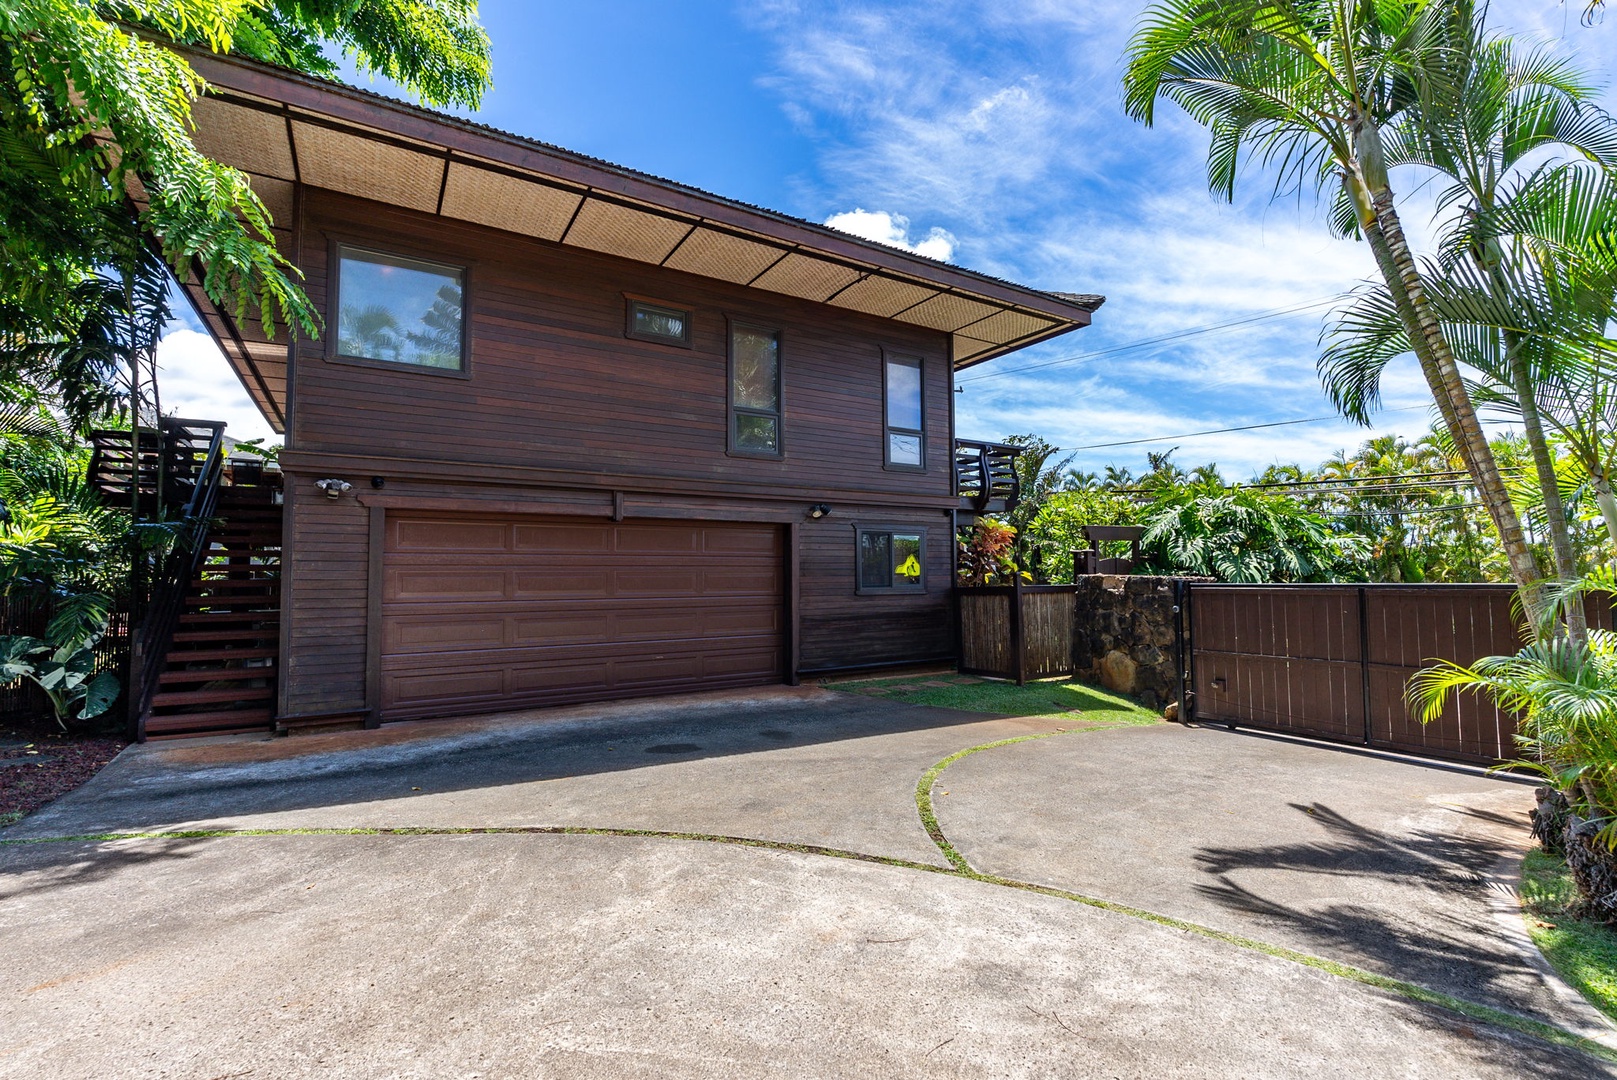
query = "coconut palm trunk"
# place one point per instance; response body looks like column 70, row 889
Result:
column 1566, row 560
column 1443, row 376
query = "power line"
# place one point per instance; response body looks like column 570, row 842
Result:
column 1372, row 491
column 1349, row 482
column 1417, row 510
column 1178, row 335
column 1221, row 431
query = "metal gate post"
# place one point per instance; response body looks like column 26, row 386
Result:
column 1184, row 648
column 1364, row 658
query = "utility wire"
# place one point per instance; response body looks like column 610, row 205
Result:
column 1221, row 431
column 1382, row 491
column 1179, row 335
column 1417, row 510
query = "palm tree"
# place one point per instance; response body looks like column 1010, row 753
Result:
column 1312, row 86
column 1502, row 104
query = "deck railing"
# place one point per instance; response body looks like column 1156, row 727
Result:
column 985, row 476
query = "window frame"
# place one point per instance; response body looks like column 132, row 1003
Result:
column 331, row 341
column 888, row 358
column 732, row 411
column 631, row 302
column 860, row 588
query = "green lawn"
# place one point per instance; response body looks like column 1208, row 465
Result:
column 1048, row 698
column 1585, row 953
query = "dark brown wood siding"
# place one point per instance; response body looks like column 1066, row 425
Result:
column 563, row 414
column 555, row 383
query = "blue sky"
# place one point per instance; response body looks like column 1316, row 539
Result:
column 990, row 132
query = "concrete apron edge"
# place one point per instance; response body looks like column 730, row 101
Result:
column 1601, row 1038
column 1503, row 883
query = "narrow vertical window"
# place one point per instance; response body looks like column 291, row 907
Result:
column 755, row 412
column 906, row 436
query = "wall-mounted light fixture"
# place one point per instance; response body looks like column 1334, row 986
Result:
column 334, row 488
column 819, row 510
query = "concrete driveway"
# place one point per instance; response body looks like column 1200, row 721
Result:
column 743, row 886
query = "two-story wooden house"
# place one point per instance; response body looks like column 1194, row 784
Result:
column 572, row 432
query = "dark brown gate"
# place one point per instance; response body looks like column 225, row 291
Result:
column 1332, row 661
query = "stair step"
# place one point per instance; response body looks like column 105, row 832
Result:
column 226, row 584
column 199, row 655
column 176, row 724
column 214, row 655
column 192, row 676
column 168, row 698
column 221, row 635
column 269, row 618
column 260, row 598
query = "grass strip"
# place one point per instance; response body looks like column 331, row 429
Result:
column 1583, row 951
column 1499, row 1018
column 929, row 779
column 1473, row 1010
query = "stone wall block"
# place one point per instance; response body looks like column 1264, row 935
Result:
column 1123, row 635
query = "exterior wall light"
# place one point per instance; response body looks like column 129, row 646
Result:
column 819, row 510
column 334, row 489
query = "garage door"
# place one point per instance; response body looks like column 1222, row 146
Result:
column 484, row 614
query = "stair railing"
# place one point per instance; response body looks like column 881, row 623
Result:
column 150, row 643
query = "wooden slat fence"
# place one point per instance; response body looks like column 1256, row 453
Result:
column 1016, row 632
column 1332, row 661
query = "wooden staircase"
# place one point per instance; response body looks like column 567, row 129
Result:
column 220, row 672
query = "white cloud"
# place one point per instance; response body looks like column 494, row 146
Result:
column 894, row 231
column 1001, row 121
column 196, row 383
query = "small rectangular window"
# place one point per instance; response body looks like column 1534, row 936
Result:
column 755, row 412
column 658, row 322
column 395, row 310
column 892, row 560
column 906, row 436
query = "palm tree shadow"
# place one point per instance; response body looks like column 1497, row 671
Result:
column 41, row 868
column 1414, row 905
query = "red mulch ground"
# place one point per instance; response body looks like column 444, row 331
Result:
column 65, row 762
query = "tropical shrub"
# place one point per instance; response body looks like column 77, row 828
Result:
column 1058, row 529
column 1564, row 692
column 1241, row 535
column 987, row 553
column 63, row 663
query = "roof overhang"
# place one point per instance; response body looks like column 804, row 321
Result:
column 283, row 129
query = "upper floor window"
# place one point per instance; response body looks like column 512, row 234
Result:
column 395, row 310
column 659, row 322
column 906, row 436
column 754, row 390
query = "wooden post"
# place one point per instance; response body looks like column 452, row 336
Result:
column 1018, row 644
column 1364, row 658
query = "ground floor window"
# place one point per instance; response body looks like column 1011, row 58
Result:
column 891, row 560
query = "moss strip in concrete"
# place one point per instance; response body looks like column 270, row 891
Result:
column 1498, row 1018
